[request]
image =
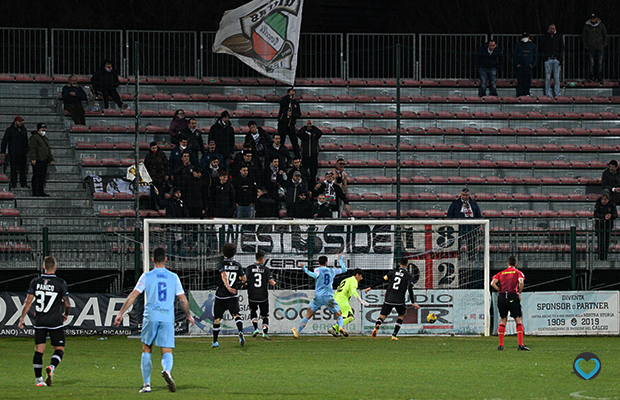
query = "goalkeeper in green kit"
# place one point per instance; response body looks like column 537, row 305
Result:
column 346, row 289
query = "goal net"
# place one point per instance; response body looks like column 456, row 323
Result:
column 449, row 260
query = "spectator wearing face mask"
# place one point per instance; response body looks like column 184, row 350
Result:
column 321, row 207
column 40, row 158
column 334, row 195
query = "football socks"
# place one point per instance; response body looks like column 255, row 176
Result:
column 146, row 368
column 500, row 332
column 56, row 358
column 167, row 361
column 399, row 322
column 520, row 334
column 216, row 332
column 239, row 323
column 265, row 325
column 37, row 364
column 303, row 324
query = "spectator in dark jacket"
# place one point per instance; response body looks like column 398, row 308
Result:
column 605, row 213
column 73, row 95
column 322, row 208
column 177, row 124
column 277, row 149
column 273, row 178
column 176, row 208
column 594, row 39
column 223, row 134
column 197, row 194
column 266, row 207
column 40, row 157
column 245, row 194
column 461, row 208
column 210, row 154
column 16, row 140
column 488, row 60
column 259, row 140
column 287, row 118
column 194, row 139
column 105, row 81
column 610, row 181
column 176, row 153
column 334, row 195
column 157, row 165
column 309, row 136
column 293, row 188
column 222, row 197
column 551, row 50
column 183, row 173
column 525, row 56
column 303, row 207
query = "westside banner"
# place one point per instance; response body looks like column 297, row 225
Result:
column 458, row 311
column 263, row 34
column 91, row 314
column 571, row 313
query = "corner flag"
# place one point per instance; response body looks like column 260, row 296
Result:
column 264, row 34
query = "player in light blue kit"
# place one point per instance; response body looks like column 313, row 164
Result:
column 323, row 292
column 160, row 287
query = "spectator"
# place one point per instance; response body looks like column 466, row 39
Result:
column 209, row 155
column 303, row 207
column 594, row 38
column 273, row 178
column 525, row 56
column 175, row 208
column 194, row 138
column 466, row 207
column 213, row 169
column 277, row 149
column 552, row 49
column 158, row 167
column 294, row 187
column 259, row 140
column 245, row 194
column 40, row 157
column 309, row 136
column 287, row 117
column 222, row 197
column 605, row 213
column 342, row 178
column 177, row 124
column 322, row 208
column 266, row 206
column 73, row 95
column 334, row 194
column 105, row 81
column 223, row 134
column 16, row 140
column 183, row 172
column 197, row 194
column 175, row 156
column 247, row 160
column 488, row 60
column 610, row 181
column 296, row 166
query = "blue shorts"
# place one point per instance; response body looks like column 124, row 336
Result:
column 327, row 301
column 162, row 333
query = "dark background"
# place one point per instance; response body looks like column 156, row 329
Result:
column 338, row 16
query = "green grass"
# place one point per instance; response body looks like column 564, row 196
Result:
column 321, row 368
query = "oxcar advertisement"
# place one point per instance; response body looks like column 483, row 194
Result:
column 91, row 314
column 457, row 312
column 570, row 313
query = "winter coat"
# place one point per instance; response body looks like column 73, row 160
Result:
column 224, row 136
column 157, row 165
column 103, row 79
column 594, row 36
column 525, row 54
column 16, row 139
column 40, row 148
column 485, row 60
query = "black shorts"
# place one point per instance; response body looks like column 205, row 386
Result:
column 221, row 305
column 263, row 305
column 386, row 309
column 510, row 303
column 57, row 336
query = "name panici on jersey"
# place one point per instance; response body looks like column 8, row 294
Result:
column 160, row 287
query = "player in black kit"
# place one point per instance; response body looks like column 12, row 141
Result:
column 226, row 294
column 258, row 276
column 50, row 295
column 400, row 282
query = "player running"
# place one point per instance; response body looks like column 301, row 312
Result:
column 346, row 289
column 258, row 276
column 323, row 292
column 400, row 281
column 51, row 296
column 160, row 287
column 509, row 284
column 232, row 277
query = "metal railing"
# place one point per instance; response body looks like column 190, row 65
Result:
column 321, row 55
column 24, row 51
column 82, row 51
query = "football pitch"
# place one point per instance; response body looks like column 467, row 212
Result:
column 323, row 368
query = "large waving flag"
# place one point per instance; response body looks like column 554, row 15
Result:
column 264, row 34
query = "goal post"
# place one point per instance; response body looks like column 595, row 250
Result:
column 449, row 259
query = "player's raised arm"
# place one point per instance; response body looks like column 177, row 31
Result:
column 343, row 266
column 309, row 273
